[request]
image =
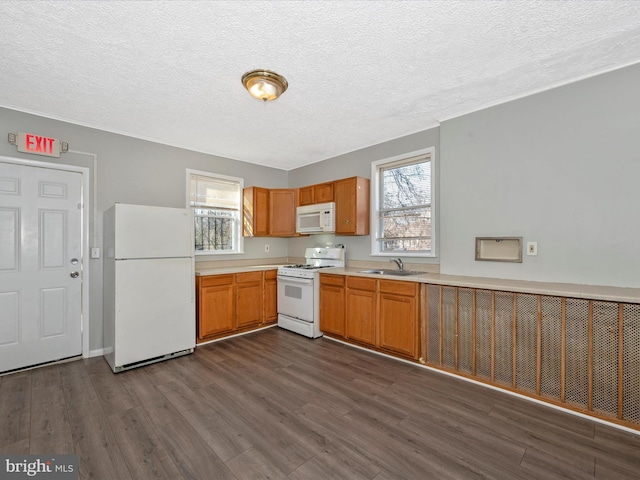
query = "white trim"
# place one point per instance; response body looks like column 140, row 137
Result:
column 374, row 193
column 498, row 389
column 98, row 352
column 234, row 335
column 238, row 233
column 84, row 172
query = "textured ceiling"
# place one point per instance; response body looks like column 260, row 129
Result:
column 359, row 72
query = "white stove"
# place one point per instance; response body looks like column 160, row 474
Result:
column 299, row 290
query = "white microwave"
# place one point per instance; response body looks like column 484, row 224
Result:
column 318, row 218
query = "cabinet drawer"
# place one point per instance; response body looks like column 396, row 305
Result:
column 361, row 283
column 331, row 280
column 399, row 288
column 270, row 274
column 212, row 280
column 248, row 277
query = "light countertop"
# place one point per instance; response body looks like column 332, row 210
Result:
column 593, row 292
column 201, row 272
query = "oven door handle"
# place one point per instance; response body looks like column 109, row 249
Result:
column 302, row 281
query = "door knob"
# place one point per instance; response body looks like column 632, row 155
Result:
column 74, row 274
column 74, row 261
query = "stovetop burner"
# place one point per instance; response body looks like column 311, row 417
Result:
column 306, row 266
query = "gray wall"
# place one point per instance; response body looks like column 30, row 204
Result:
column 353, row 164
column 136, row 171
column 561, row 168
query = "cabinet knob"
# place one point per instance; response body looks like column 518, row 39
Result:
column 346, row 221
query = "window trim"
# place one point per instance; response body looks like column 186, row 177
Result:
column 375, row 205
column 238, row 233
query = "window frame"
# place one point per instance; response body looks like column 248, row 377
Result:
column 238, row 227
column 376, row 167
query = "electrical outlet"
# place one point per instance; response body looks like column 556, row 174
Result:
column 532, row 248
column 266, row 248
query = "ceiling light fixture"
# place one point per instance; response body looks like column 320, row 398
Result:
column 264, row 85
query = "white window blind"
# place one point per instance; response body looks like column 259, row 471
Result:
column 403, row 207
column 216, row 204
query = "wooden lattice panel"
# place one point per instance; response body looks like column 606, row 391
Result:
column 526, row 342
column 449, row 327
column 503, row 338
column 551, row 348
column 433, row 325
column 577, row 341
column 583, row 354
column 631, row 383
column 605, row 358
column 483, row 334
column 465, row 330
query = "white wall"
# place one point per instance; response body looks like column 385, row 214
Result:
column 561, row 168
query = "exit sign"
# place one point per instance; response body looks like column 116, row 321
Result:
column 32, row 143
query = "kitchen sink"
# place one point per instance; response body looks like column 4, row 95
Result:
column 397, row 273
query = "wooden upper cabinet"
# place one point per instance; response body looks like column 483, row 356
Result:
column 255, row 212
column 269, row 212
column 352, row 206
column 305, row 196
column 282, row 212
column 312, row 194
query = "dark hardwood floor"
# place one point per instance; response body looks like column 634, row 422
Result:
column 275, row 405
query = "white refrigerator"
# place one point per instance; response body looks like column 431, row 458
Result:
column 148, row 285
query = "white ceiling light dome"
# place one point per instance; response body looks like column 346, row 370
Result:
column 264, row 84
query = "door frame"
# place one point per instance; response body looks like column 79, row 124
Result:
column 84, row 172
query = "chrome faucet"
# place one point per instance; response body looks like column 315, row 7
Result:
column 399, row 263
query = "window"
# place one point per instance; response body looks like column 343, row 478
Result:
column 216, row 201
column 403, row 206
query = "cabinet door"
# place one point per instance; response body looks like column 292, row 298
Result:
column 352, row 206
column 361, row 311
column 249, row 298
column 332, row 310
column 282, row 212
column 270, row 296
column 323, row 193
column 305, row 196
column 399, row 324
column 255, row 212
column 215, row 305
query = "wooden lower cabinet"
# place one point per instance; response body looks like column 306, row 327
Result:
column 232, row 303
column 361, row 310
column 380, row 314
column 216, row 302
column 398, row 317
column 249, row 294
column 332, row 312
column 270, row 296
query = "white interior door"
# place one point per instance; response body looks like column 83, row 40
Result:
column 40, row 265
